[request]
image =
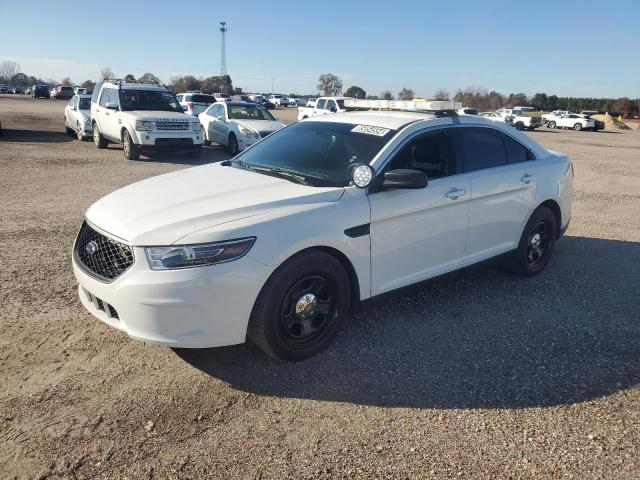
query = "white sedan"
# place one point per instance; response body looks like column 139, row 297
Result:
column 237, row 125
column 493, row 116
column 77, row 117
column 279, row 244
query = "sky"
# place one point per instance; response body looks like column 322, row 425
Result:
column 567, row 48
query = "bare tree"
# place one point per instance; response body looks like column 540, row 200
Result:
column 406, row 94
column 9, row 69
column 329, row 84
column 66, row 81
column 106, row 73
column 149, row 78
column 441, row 94
column 386, row 95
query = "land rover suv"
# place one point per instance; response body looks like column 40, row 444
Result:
column 144, row 118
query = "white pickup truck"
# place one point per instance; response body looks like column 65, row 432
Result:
column 323, row 106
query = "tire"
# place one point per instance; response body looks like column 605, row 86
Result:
column 232, row 145
column 551, row 124
column 520, row 126
column 204, row 136
column 67, row 129
column 131, row 150
column 197, row 153
column 536, row 244
column 79, row 135
column 98, row 139
column 577, row 127
column 285, row 322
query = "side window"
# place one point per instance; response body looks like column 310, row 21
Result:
column 96, row 92
column 485, row 148
column 331, row 104
column 431, row 153
column 105, row 97
column 516, row 152
column 73, row 101
column 320, row 104
column 179, row 97
column 218, row 110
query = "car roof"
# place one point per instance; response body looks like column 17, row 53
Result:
column 136, row 86
column 238, row 103
column 376, row 118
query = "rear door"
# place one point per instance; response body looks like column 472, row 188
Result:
column 503, row 186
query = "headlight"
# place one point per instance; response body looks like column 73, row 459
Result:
column 187, row 256
column 247, row 132
column 195, row 127
column 145, row 125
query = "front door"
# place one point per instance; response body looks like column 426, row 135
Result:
column 417, row 234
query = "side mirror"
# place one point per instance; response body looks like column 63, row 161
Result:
column 404, row 179
column 333, row 109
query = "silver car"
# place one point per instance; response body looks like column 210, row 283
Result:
column 77, row 117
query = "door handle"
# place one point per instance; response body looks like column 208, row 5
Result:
column 455, row 193
column 106, row 113
column 527, row 178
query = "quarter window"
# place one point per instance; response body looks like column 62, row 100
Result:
column 431, row 153
column 485, row 148
column 516, row 152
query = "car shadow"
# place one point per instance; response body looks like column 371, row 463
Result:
column 211, row 154
column 479, row 338
column 34, row 136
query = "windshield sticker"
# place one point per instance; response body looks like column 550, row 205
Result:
column 370, row 130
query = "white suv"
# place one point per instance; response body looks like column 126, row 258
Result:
column 143, row 118
column 280, row 243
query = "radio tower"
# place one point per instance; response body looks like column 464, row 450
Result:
column 223, row 54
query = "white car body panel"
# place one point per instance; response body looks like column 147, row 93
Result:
column 76, row 118
column 414, row 234
column 570, row 121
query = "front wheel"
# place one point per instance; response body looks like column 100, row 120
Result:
column 536, row 244
column 98, row 139
column 204, row 136
column 130, row 149
column 577, row 127
column 233, row 145
column 300, row 307
column 520, row 126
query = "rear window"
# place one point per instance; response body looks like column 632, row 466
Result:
column 66, row 89
column 485, row 148
column 197, row 98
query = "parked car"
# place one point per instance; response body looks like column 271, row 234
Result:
column 80, row 91
column 77, row 117
column 62, row 92
column 4, row 89
column 279, row 244
column 554, row 115
column 323, row 106
column 16, row 90
column 278, row 100
column 493, row 116
column 573, row 121
column 222, row 97
column 144, row 118
column 27, row 91
column 311, row 102
column 195, row 103
column 237, row 125
column 467, row 111
column 598, row 124
column 265, row 103
column 523, row 120
column 40, row 91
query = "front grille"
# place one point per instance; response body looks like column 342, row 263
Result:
column 265, row 133
column 172, row 125
column 102, row 256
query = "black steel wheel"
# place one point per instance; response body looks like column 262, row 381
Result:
column 300, row 307
column 551, row 124
column 233, row 145
column 536, row 243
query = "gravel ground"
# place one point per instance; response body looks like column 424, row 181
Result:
column 478, row 374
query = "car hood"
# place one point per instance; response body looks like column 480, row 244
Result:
column 260, row 125
column 162, row 210
column 156, row 115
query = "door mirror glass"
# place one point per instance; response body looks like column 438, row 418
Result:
column 404, row 178
column 333, row 109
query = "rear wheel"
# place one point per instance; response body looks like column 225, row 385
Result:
column 300, row 307
column 233, row 144
column 551, row 125
column 130, row 149
column 98, row 139
column 536, row 244
column 577, row 127
column 520, row 126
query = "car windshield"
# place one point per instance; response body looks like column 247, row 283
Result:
column 85, row 104
column 321, row 153
column 132, row 99
column 249, row 112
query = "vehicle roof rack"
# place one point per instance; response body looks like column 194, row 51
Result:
column 435, row 107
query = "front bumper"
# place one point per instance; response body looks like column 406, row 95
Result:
column 188, row 308
column 168, row 141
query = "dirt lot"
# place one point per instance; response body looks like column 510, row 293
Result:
column 478, row 374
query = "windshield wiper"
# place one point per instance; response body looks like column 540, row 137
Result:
column 275, row 171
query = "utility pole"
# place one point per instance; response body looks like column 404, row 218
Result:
column 223, row 53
